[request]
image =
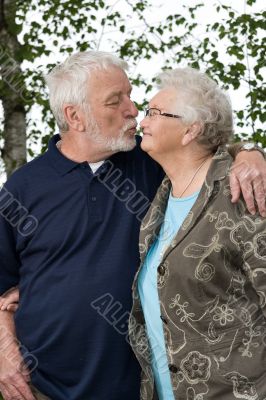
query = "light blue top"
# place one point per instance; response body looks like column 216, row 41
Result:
column 176, row 212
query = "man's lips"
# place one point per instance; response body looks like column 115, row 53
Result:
column 133, row 129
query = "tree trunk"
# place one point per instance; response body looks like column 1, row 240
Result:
column 12, row 90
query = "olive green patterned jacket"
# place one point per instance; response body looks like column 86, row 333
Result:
column 212, row 290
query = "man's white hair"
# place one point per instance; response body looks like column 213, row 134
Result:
column 67, row 82
column 200, row 99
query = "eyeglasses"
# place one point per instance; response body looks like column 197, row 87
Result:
column 152, row 112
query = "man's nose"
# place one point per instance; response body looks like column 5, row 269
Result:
column 132, row 110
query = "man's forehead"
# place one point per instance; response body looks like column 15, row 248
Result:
column 106, row 83
column 109, row 75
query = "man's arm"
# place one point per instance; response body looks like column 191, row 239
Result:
column 248, row 175
column 14, row 376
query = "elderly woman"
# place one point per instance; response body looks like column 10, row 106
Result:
column 198, row 323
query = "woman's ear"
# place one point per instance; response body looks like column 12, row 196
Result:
column 191, row 133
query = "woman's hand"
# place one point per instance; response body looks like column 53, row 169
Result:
column 9, row 300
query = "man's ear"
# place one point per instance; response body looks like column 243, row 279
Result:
column 193, row 131
column 74, row 117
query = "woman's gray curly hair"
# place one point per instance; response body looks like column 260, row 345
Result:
column 200, row 99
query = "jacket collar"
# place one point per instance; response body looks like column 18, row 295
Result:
column 153, row 220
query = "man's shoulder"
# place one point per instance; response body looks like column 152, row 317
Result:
column 25, row 173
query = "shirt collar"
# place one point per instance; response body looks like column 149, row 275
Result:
column 61, row 163
column 64, row 165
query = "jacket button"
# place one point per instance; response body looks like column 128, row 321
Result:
column 161, row 270
column 163, row 319
column 173, row 368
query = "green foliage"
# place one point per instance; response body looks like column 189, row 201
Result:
column 242, row 38
column 65, row 26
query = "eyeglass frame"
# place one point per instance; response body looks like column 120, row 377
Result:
column 147, row 110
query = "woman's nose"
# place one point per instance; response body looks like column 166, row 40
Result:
column 143, row 122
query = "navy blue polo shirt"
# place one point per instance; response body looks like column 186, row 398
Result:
column 69, row 239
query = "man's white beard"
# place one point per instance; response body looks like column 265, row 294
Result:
column 120, row 143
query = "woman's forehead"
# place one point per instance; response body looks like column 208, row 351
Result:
column 164, row 97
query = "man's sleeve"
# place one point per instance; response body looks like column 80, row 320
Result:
column 235, row 148
column 9, row 260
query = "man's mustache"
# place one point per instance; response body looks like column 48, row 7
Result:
column 132, row 123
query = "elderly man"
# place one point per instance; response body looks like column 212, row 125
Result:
column 74, row 251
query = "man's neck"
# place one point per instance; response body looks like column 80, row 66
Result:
column 80, row 149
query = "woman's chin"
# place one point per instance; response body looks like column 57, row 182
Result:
column 146, row 144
